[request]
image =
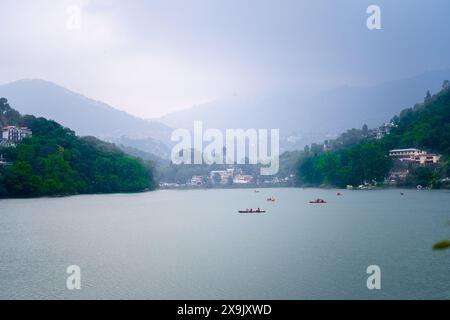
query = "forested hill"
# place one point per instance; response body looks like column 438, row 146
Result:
column 425, row 126
column 56, row 162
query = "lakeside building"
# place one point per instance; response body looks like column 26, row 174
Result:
column 429, row 158
column 398, row 175
column 415, row 156
column 242, row 179
column 221, row 176
column 168, row 185
column 13, row 134
column 197, row 180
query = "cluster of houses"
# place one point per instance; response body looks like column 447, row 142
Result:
column 232, row 176
column 222, row 177
column 12, row 135
column 405, row 160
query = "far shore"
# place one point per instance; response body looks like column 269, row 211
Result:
column 225, row 187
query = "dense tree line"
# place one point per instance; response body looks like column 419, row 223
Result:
column 56, row 162
column 357, row 158
column 8, row 116
column 363, row 162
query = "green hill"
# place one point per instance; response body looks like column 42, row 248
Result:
column 56, row 162
column 356, row 157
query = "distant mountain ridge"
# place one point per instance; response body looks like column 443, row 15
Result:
column 301, row 119
column 83, row 115
column 316, row 117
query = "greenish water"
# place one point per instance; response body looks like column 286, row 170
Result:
column 194, row 245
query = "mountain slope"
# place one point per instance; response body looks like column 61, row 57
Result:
column 56, row 162
column 425, row 126
column 85, row 116
column 317, row 117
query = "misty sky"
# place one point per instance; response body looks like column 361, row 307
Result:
column 153, row 57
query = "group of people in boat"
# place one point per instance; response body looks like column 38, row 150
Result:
column 272, row 199
column 252, row 211
column 318, row 200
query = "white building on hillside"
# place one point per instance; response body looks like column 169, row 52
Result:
column 415, row 156
column 405, row 153
column 13, row 134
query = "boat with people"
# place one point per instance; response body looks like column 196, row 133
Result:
column 251, row 211
column 318, row 201
column 272, row 199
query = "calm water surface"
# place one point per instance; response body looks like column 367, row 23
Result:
column 194, row 245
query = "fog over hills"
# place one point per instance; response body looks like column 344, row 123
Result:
column 302, row 119
column 86, row 116
column 315, row 117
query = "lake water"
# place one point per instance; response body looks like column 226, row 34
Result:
column 194, row 245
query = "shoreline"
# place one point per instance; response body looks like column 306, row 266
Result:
column 250, row 187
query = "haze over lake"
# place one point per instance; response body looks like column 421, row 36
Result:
column 194, row 245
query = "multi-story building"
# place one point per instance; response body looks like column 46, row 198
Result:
column 429, row 158
column 13, row 134
column 415, row 155
column 405, row 154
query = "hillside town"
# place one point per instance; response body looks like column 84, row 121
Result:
column 231, row 177
column 404, row 161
